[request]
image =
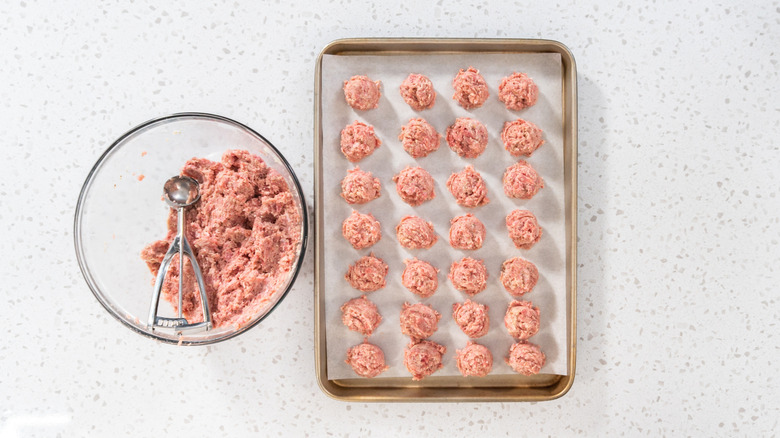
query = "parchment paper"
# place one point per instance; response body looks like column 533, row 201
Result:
column 548, row 205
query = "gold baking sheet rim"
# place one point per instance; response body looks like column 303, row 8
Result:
column 503, row 388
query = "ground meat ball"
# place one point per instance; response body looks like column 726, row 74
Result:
column 472, row 318
column 474, row 360
column 414, row 185
column 467, row 137
column 417, row 90
column 361, row 230
column 521, row 137
column 526, row 358
column 518, row 91
column 522, row 319
column 469, row 275
column 468, row 188
column 359, row 187
column 360, row 315
column 467, row 232
column 523, row 228
column 519, row 276
column 367, row 360
column 471, row 90
column 419, row 138
column 521, row 181
column 245, row 233
column 420, row 277
column 362, row 93
column 358, row 141
column 423, row 359
column 367, row 274
column 419, row 321
column 415, row 233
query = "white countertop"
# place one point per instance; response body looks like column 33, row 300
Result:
column 678, row 216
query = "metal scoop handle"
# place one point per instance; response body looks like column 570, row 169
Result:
column 181, row 246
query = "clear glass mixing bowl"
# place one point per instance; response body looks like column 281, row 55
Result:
column 120, row 210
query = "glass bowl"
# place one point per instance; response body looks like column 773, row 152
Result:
column 120, row 211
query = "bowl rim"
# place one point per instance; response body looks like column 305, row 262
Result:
column 80, row 257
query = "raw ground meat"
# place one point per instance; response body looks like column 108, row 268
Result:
column 414, row 185
column 358, row 141
column 419, row 321
column 362, row 93
column 367, row 274
column 468, row 188
column 518, row 91
column 423, row 359
column 419, row 138
column 521, row 137
column 417, row 91
column 522, row 319
column 474, row 360
column 360, row 315
column 467, row 137
column 526, row 358
column 467, row 232
column 359, row 187
column 471, row 90
column 472, row 318
column 361, row 230
column 521, row 181
column 519, row 276
column 367, row 360
column 469, row 275
column 420, row 277
column 245, row 233
column 414, row 233
column 524, row 230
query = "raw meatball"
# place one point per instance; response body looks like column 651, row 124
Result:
column 362, row 93
column 419, row 321
column 361, row 230
column 415, row 233
column 526, row 358
column 522, row 319
column 468, row 188
column 523, row 228
column 358, row 141
column 471, row 90
column 414, row 185
column 367, row 274
column 467, row 137
column 522, row 181
column 419, row 138
column 420, row 277
column 360, row 315
column 367, row 360
column 519, row 276
column 359, row 187
column 423, row 359
column 466, row 232
column 417, row 90
column 472, row 318
column 518, row 91
column 474, row 360
column 521, row 137
column 469, row 275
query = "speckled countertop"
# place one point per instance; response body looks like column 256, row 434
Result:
column 679, row 302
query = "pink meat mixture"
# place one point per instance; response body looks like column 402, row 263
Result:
column 420, row 277
column 423, row 359
column 471, row 90
column 526, row 358
column 361, row 93
column 366, row 360
column 522, row 181
column 518, row 91
column 467, row 137
column 419, row 138
column 245, row 233
column 472, row 318
column 521, row 137
column 414, row 185
column 469, row 275
column 524, row 229
column 358, row 141
column 468, row 188
column 367, row 274
column 519, row 276
column 361, row 230
column 360, row 315
column 474, row 360
column 359, row 187
column 419, row 321
column 522, row 319
column 467, row 232
column 417, row 91
column 414, row 233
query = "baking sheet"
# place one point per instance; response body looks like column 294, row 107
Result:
column 548, row 205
